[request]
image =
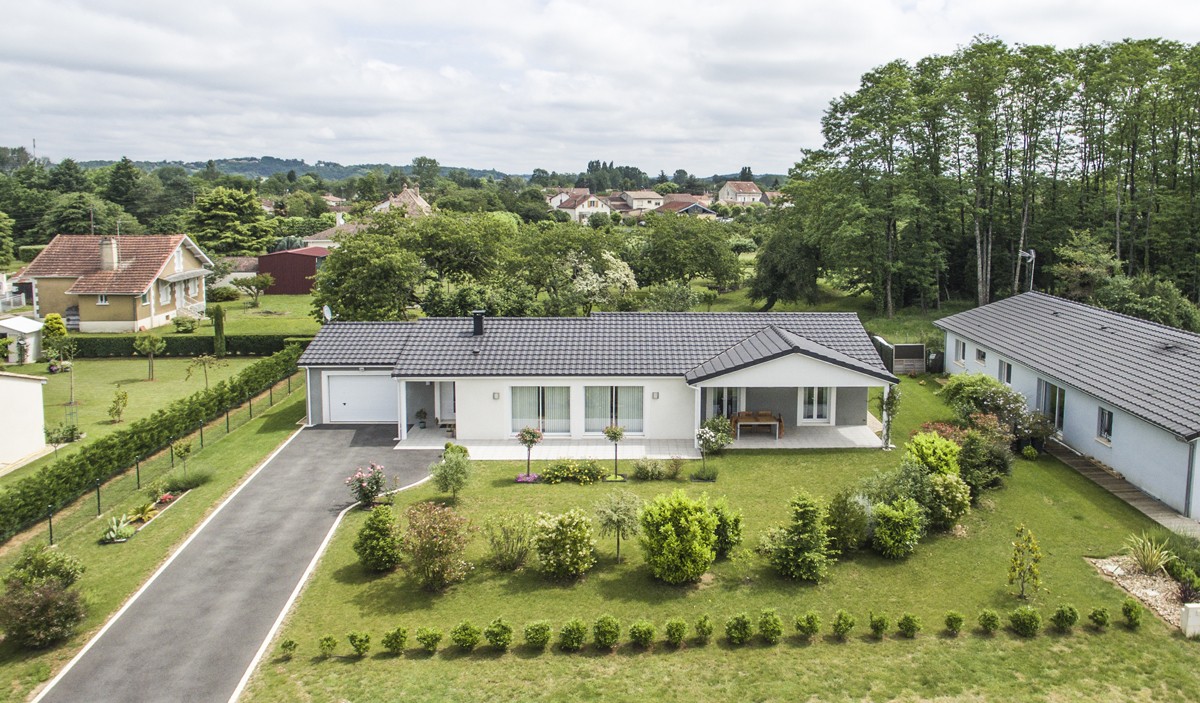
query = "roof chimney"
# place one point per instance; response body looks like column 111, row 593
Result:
column 108, row 254
column 477, row 319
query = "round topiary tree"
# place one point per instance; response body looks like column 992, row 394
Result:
column 564, row 544
column 614, row 434
column 378, row 542
column 529, row 437
column 678, row 537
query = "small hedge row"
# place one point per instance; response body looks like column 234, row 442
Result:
column 26, row 502
column 29, row 252
column 189, row 345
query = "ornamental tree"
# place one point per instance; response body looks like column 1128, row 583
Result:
column 1024, row 568
column 618, row 514
column 148, row 344
column 614, row 434
column 528, row 437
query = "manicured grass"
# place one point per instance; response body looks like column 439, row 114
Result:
column 1071, row 517
column 275, row 314
column 114, row 572
column 96, row 382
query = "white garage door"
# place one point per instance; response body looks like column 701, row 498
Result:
column 362, row 399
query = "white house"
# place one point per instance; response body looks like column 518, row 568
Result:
column 26, row 334
column 583, row 205
column 1120, row 390
column 659, row 375
column 740, row 193
column 22, row 423
column 641, row 200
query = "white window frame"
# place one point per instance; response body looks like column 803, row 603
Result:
column 960, row 352
column 1055, row 410
column 179, row 259
column 980, row 356
column 145, row 298
column 1104, row 424
column 164, row 293
column 1004, row 372
column 102, row 299
column 831, row 405
column 541, row 410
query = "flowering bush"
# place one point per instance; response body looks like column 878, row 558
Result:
column 366, row 485
column 564, row 544
column 433, row 544
column 581, row 472
column 166, row 498
column 975, row 393
column 529, row 436
column 712, row 442
column 528, row 478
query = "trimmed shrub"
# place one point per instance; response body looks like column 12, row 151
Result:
column 465, row 635
column 908, row 625
column 989, row 621
column 642, row 633
column 572, row 635
column 428, row 638
column 843, row 623
column 222, row 294
column 849, row 520
column 395, row 640
column 537, row 634
column 677, row 537
column 934, row 452
column 378, row 542
column 499, row 634
column 29, row 252
column 185, row 325
column 879, row 625
column 287, row 649
column 433, row 543
column 950, row 500
column 606, row 632
column 676, row 632
column 770, row 626
column 564, row 544
column 1099, row 617
column 954, row 623
column 739, row 629
column 704, row 629
column 510, row 537
column 326, row 645
column 360, row 642
column 808, row 624
column 897, row 528
column 649, row 470
column 581, row 472
column 1064, row 617
column 729, row 528
column 1029, row 453
column 1133, row 612
column 800, row 550
column 1026, row 621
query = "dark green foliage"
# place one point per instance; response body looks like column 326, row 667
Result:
column 1099, row 617
column 898, row 528
column 1064, row 618
column 465, row 635
column 676, row 632
column 1026, row 621
column 739, row 629
column 428, row 638
column 287, row 649
column 181, row 483
column 572, row 635
column 954, row 623
column 378, row 542
column 879, row 625
column 729, row 528
column 606, row 632
column 29, row 252
column 849, row 520
column 677, row 537
column 177, row 346
column 360, row 642
column 218, row 322
column 326, row 645
column 801, row 549
column 908, row 625
column 989, row 621
column 537, row 634
column 582, row 472
column 808, row 624
column 704, row 629
column 985, row 460
column 395, row 640
column 641, row 634
column 499, row 634
column 24, row 503
column 1133, row 613
column 39, row 613
column 222, row 294
column 770, row 626
column 843, row 623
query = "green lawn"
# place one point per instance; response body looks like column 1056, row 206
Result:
column 1071, row 517
column 114, row 572
column 275, row 314
column 96, row 382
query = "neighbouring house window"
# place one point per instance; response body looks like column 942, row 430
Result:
column 960, row 351
column 1051, row 401
column 1104, row 425
column 179, row 259
column 980, row 356
column 145, row 298
column 547, row 408
column 1005, row 372
column 164, row 293
column 102, row 299
column 814, row 404
column 613, row 405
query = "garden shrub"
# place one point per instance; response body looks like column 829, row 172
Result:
column 451, row 474
column 433, row 543
column 950, row 500
column 878, row 624
column 642, row 633
column 179, row 483
column 989, row 621
column 287, row 649
column 934, row 452
column 452, row 449
column 185, row 325
column 222, row 294
column 428, row 638
column 572, row 635
column 677, row 537
column 1149, row 553
column 1133, row 612
column 1099, row 617
column 37, row 563
column 395, row 640
column 729, row 528
column 706, row 472
column 739, row 629
column 954, row 623
column 606, row 632
column 564, row 544
column 581, row 472
column 1064, row 617
column 674, row 468
column 510, row 537
column 326, row 646
column 499, row 634
column 1029, row 452
column 770, row 626
column 360, row 642
column 649, row 470
column 843, row 623
column 378, row 542
column 908, row 625
column 897, row 528
column 808, row 624
column 676, row 632
column 704, row 629
column 465, row 635
column 849, row 520
column 1026, row 621
column 39, row 612
column 537, row 634
column 800, row 550
column 984, row 460
column 976, row 393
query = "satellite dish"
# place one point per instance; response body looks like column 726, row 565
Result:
column 326, row 312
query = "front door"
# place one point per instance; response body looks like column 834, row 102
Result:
column 816, row 404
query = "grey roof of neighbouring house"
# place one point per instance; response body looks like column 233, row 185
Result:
column 603, row 344
column 1148, row 370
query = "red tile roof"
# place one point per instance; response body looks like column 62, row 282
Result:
column 743, row 187
column 139, row 260
column 315, row 252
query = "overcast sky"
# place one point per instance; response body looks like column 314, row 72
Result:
column 506, row 84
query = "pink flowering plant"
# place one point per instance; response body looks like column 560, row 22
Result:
column 528, row 437
column 366, row 485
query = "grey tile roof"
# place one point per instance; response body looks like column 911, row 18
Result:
column 771, row 343
column 357, row 344
column 604, row 344
column 1148, row 370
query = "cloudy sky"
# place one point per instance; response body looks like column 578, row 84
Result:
column 506, row 84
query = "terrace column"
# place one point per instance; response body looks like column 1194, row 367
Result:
column 402, row 409
column 885, row 435
column 696, row 423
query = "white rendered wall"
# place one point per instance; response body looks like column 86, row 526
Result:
column 21, row 417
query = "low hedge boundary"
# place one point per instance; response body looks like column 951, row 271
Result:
column 26, row 502
column 188, row 345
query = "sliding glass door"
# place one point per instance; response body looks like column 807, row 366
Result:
column 613, row 405
column 1051, row 402
column 547, row 408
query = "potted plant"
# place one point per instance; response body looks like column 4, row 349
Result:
column 421, row 416
column 1041, row 428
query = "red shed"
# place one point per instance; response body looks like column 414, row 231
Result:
column 293, row 269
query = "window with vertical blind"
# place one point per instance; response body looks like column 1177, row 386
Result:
column 547, row 408
column 613, row 405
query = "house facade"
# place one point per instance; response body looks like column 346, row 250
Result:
column 21, row 416
column 1122, row 391
column 581, row 206
column 408, row 201
column 659, row 375
column 104, row 283
column 739, row 193
column 641, row 200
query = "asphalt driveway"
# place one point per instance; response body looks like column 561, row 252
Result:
column 193, row 632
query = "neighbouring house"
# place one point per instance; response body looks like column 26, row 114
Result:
column 328, row 238
column 293, row 269
column 559, row 195
column 126, row 283
column 582, row 206
column 772, row 197
column 26, row 334
column 659, row 375
column 10, row 297
column 640, row 200
column 268, row 205
column 684, row 207
column 408, row 201
column 21, row 416
column 1120, row 390
column 739, row 193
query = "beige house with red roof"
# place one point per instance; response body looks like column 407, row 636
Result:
column 103, row 283
column 581, row 206
column 409, row 201
column 740, row 193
